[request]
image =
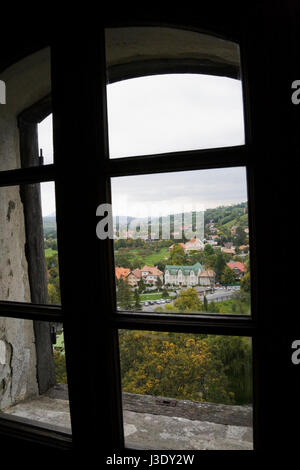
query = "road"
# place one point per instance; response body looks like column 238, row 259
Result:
column 218, row 296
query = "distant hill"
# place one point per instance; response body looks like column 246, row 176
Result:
column 223, row 216
column 236, row 214
column 49, row 225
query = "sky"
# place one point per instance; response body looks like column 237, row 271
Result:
column 177, row 192
column 45, row 133
column 167, row 113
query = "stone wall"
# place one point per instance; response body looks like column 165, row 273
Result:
column 162, row 423
column 27, row 82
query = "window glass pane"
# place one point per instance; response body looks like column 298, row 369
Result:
column 28, row 244
column 27, row 85
column 181, row 242
column 186, row 391
column 45, row 139
column 33, row 379
column 171, row 90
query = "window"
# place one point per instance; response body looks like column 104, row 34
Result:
column 179, row 287
column 88, row 172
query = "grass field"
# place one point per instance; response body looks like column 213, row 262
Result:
column 156, row 296
column 150, row 259
column 234, row 306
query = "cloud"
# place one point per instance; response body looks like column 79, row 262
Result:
column 168, row 113
column 172, row 192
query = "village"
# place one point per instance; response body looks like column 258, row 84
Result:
column 162, row 283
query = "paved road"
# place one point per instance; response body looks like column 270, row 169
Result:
column 218, row 296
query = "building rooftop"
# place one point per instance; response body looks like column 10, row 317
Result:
column 173, row 269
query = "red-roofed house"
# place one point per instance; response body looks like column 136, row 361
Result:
column 238, row 268
column 129, row 276
column 150, row 274
column 122, row 273
column 194, row 244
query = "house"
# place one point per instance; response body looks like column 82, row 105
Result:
column 122, row 273
column 188, row 275
column 228, row 251
column 237, row 267
column 194, row 244
column 244, row 248
column 207, row 278
column 150, row 274
column 126, row 274
column 137, row 273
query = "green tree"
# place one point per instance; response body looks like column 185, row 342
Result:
column 137, row 300
column 177, row 255
column 159, row 283
column 235, row 354
column 228, row 276
column 240, row 236
column 53, row 294
column 124, row 295
column 245, row 282
column 188, row 301
column 164, row 293
column 208, row 249
column 142, row 286
column 205, row 303
column 219, row 265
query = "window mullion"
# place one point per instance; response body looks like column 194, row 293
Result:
column 188, row 160
column 31, row 311
column 37, row 174
column 186, row 323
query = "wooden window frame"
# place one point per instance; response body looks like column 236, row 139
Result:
column 238, row 325
column 79, row 108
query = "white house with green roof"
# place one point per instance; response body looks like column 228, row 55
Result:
column 194, row 275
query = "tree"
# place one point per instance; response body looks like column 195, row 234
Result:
column 164, row 293
column 235, row 354
column 158, row 283
column 228, row 276
column 175, row 365
column 188, row 301
column 177, row 255
column 245, row 282
column 208, row 249
column 142, row 286
column 219, row 265
column 240, row 236
column 205, row 303
column 124, row 294
column 137, row 300
column 53, row 295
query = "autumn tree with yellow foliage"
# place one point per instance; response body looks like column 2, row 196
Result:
column 174, row 365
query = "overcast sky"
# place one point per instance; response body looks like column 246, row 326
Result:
column 168, row 113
